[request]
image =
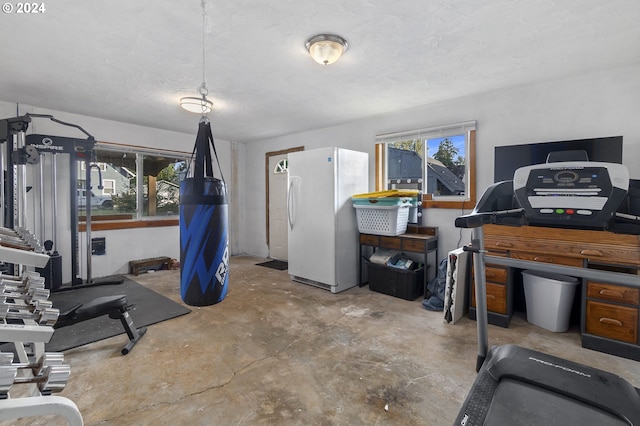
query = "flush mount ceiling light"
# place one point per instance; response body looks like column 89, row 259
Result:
column 326, row 49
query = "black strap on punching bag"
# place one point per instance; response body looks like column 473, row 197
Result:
column 203, row 167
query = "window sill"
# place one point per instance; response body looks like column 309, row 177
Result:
column 439, row 204
column 106, row 225
column 429, row 202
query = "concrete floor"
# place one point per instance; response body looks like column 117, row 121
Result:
column 279, row 352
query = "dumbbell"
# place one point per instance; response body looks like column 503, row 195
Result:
column 19, row 232
column 36, row 297
column 35, row 293
column 33, row 306
column 30, row 239
column 41, row 314
column 22, row 282
column 16, row 239
column 23, row 234
column 8, row 232
column 48, row 372
column 12, row 237
column 27, row 277
column 24, row 276
column 22, row 285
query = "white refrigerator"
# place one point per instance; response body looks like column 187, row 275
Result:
column 323, row 232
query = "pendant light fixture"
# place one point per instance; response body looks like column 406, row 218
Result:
column 197, row 105
column 200, row 105
column 326, row 49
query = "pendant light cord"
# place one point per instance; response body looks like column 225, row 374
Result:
column 203, row 88
column 204, row 17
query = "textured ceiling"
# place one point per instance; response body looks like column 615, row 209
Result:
column 132, row 61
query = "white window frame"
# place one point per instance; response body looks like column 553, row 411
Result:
column 109, row 186
column 101, row 166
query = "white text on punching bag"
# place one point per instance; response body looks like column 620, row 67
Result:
column 223, row 267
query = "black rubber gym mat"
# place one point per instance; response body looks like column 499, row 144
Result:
column 149, row 308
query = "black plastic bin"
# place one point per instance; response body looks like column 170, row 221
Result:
column 402, row 283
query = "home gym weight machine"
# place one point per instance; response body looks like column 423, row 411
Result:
column 516, row 385
column 26, row 314
column 31, row 150
column 23, row 150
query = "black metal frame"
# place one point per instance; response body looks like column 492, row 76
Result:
column 78, row 150
column 598, row 388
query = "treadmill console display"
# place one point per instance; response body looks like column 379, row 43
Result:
column 571, row 194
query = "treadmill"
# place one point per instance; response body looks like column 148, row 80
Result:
column 519, row 386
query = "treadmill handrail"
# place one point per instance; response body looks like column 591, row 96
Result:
column 620, row 278
column 477, row 219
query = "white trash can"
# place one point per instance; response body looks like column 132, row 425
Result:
column 549, row 298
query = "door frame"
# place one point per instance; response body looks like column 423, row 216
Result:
column 267, row 171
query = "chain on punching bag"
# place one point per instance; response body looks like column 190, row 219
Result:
column 204, row 239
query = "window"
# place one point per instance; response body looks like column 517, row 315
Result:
column 282, row 166
column 101, row 166
column 109, row 186
column 138, row 182
column 447, row 177
column 161, row 184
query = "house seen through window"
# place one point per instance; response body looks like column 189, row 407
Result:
column 445, row 167
column 447, row 172
column 136, row 184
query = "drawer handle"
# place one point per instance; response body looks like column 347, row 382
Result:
column 543, row 259
column 491, row 296
column 610, row 321
column 611, row 293
column 503, row 244
column 588, row 252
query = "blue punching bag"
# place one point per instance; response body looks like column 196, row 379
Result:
column 204, row 240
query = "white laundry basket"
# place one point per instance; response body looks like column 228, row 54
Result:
column 386, row 216
column 549, row 298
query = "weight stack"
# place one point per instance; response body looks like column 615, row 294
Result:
column 204, row 239
column 52, row 271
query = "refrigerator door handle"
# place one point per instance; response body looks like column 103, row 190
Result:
column 289, row 203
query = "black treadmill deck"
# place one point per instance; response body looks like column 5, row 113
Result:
column 525, row 387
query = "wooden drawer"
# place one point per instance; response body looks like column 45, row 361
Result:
column 369, row 240
column 600, row 246
column 612, row 321
column 496, row 274
column 557, row 260
column 414, row 245
column 493, row 273
column 390, row 242
column 615, row 293
column 496, row 298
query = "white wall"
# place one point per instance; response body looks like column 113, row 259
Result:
column 595, row 105
column 121, row 245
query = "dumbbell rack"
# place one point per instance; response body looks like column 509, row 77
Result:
column 43, row 372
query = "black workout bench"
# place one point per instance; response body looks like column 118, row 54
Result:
column 115, row 306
